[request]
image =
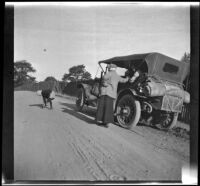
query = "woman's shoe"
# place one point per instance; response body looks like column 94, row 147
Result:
column 104, row 125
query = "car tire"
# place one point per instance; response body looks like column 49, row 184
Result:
column 128, row 111
column 80, row 100
column 169, row 122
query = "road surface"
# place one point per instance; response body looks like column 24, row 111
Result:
column 63, row 144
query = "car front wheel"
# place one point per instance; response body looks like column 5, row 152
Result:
column 128, row 111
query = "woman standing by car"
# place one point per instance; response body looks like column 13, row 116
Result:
column 108, row 93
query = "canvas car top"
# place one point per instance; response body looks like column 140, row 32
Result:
column 155, row 64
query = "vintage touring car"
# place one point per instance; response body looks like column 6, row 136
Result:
column 156, row 97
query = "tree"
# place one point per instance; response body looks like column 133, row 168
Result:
column 68, row 78
column 86, row 76
column 21, row 70
column 77, row 73
column 50, row 78
column 186, row 57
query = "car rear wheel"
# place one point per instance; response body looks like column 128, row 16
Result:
column 128, row 111
column 80, row 100
column 168, row 121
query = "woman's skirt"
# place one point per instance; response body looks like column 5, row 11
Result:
column 105, row 109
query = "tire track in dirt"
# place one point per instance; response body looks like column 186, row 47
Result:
column 96, row 152
column 92, row 156
column 105, row 168
column 98, row 157
column 63, row 144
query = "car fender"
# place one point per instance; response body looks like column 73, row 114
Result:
column 123, row 92
column 126, row 91
column 87, row 88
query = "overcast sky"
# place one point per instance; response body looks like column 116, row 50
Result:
column 55, row 38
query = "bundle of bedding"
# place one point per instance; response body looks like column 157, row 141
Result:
column 154, row 87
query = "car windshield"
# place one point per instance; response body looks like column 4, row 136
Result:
column 120, row 71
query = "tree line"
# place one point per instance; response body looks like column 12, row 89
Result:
column 23, row 68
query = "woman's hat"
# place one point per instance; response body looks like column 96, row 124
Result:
column 112, row 66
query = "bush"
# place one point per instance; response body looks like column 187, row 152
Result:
column 59, row 87
column 54, row 85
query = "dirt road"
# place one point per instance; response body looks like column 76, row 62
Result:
column 62, row 144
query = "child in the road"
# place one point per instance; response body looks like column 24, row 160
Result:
column 48, row 95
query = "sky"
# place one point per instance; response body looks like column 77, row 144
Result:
column 54, row 38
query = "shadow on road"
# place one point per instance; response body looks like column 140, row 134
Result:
column 88, row 111
column 71, row 109
column 37, row 105
column 91, row 112
column 147, row 125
